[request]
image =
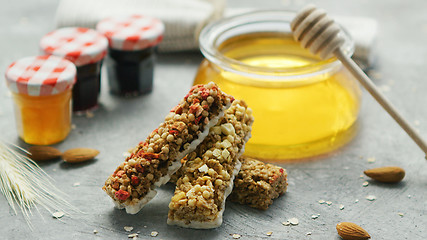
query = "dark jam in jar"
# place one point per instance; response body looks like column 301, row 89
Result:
column 132, row 43
column 130, row 72
column 86, row 48
column 87, row 87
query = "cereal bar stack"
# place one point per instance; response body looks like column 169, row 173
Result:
column 209, row 171
column 154, row 160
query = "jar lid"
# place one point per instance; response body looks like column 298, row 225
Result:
column 134, row 32
column 40, row 75
column 79, row 45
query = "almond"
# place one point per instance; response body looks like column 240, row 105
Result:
column 386, row 174
column 43, row 153
column 76, row 155
column 351, row 231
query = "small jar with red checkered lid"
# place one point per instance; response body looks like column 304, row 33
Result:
column 132, row 43
column 41, row 88
column 86, row 48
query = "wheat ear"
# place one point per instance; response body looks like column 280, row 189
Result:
column 25, row 185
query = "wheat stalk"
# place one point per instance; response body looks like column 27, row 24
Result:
column 25, row 185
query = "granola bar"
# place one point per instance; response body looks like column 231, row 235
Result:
column 208, row 173
column 154, row 160
column 257, row 183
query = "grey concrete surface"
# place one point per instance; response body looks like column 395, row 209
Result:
column 119, row 123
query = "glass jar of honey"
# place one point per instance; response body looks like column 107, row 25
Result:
column 303, row 106
column 41, row 88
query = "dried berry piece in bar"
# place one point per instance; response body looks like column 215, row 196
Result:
column 154, row 160
column 209, row 171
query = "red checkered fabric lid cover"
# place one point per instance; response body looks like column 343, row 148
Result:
column 134, row 32
column 79, row 45
column 41, row 75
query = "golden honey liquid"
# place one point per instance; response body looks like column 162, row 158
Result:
column 296, row 117
column 43, row 120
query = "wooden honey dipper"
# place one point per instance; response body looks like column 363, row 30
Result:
column 320, row 34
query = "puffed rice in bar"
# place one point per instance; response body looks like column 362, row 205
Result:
column 208, row 173
column 154, row 160
column 257, row 183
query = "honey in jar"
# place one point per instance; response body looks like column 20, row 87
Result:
column 303, row 106
column 41, row 88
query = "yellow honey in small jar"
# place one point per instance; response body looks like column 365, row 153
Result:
column 41, row 88
column 303, row 106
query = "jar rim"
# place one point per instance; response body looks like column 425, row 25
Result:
column 213, row 32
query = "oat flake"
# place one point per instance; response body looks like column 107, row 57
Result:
column 321, row 201
column 154, row 233
column 76, row 184
column 293, row 221
column 341, row 207
column 236, row 236
column 329, row 203
column 371, row 160
column 95, row 231
column 365, row 184
column 356, row 201
column 371, row 197
column 314, row 216
column 400, row 214
column 133, row 235
column 309, row 233
column 269, row 233
column 58, row 214
column 287, row 223
column 128, row 228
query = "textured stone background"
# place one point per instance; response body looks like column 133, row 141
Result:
column 121, row 123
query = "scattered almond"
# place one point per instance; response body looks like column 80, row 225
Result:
column 386, row 174
column 76, row 155
column 43, row 153
column 351, row 231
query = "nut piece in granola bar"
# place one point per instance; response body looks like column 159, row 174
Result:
column 153, row 161
column 208, row 174
column 257, row 183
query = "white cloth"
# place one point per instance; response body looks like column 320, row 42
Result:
column 184, row 19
